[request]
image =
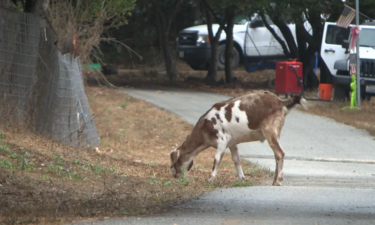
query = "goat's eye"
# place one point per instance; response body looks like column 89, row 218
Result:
column 171, row 166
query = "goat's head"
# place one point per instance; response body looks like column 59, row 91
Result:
column 176, row 165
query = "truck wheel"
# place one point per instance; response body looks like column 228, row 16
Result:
column 340, row 93
column 196, row 67
column 221, row 57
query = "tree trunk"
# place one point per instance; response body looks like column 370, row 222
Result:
column 301, row 42
column 310, row 80
column 314, row 41
column 281, row 41
column 229, row 15
column 288, row 36
column 164, row 22
column 170, row 66
column 212, row 77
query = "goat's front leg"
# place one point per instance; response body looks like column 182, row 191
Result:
column 218, row 156
column 236, row 161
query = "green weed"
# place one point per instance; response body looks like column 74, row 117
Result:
column 124, row 104
column 166, row 183
column 59, row 159
column 242, row 184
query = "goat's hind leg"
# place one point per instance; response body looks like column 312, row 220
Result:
column 236, row 161
column 273, row 141
column 272, row 134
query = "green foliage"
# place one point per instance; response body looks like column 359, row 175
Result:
column 141, row 33
column 242, row 184
column 183, row 180
column 124, row 104
column 118, row 9
column 56, row 169
column 166, row 183
column 59, row 159
column 3, row 146
column 6, row 164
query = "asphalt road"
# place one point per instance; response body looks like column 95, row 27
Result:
column 329, row 173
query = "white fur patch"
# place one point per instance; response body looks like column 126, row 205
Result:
column 234, row 132
column 303, row 103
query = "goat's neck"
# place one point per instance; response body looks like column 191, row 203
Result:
column 190, row 146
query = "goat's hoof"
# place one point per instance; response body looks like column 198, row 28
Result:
column 241, row 178
column 211, row 179
column 276, row 184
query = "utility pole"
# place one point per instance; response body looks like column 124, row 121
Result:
column 358, row 60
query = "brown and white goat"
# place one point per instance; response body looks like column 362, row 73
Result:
column 257, row 116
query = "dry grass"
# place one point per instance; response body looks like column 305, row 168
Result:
column 44, row 182
column 363, row 119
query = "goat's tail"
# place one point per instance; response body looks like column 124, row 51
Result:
column 297, row 99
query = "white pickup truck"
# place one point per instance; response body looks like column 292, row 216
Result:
column 335, row 53
column 251, row 39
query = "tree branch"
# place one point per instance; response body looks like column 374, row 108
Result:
column 213, row 14
column 209, row 26
column 176, row 8
column 276, row 36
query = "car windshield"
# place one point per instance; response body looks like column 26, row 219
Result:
column 367, row 37
column 241, row 19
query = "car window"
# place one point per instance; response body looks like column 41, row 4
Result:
column 366, row 37
column 335, row 35
column 268, row 19
column 241, row 19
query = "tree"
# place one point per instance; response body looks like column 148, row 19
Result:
column 299, row 12
column 212, row 77
column 226, row 9
column 88, row 21
column 165, row 11
column 162, row 14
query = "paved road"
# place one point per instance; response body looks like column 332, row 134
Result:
column 329, row 173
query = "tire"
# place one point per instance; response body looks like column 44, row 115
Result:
column 221, row 57
column 196, row 67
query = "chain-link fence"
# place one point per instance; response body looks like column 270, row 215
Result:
column 39, row 87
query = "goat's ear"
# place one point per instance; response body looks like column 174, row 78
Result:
column 175, row 154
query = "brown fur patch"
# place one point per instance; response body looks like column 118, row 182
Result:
column 218, row 117
column 174, row 156
column 259, row 106
column 228, row 111
column 219, row 105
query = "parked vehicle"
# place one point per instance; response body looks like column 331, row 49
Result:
column 251, row 39
column 335, row 53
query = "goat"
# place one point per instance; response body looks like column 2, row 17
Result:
column 256, row 116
